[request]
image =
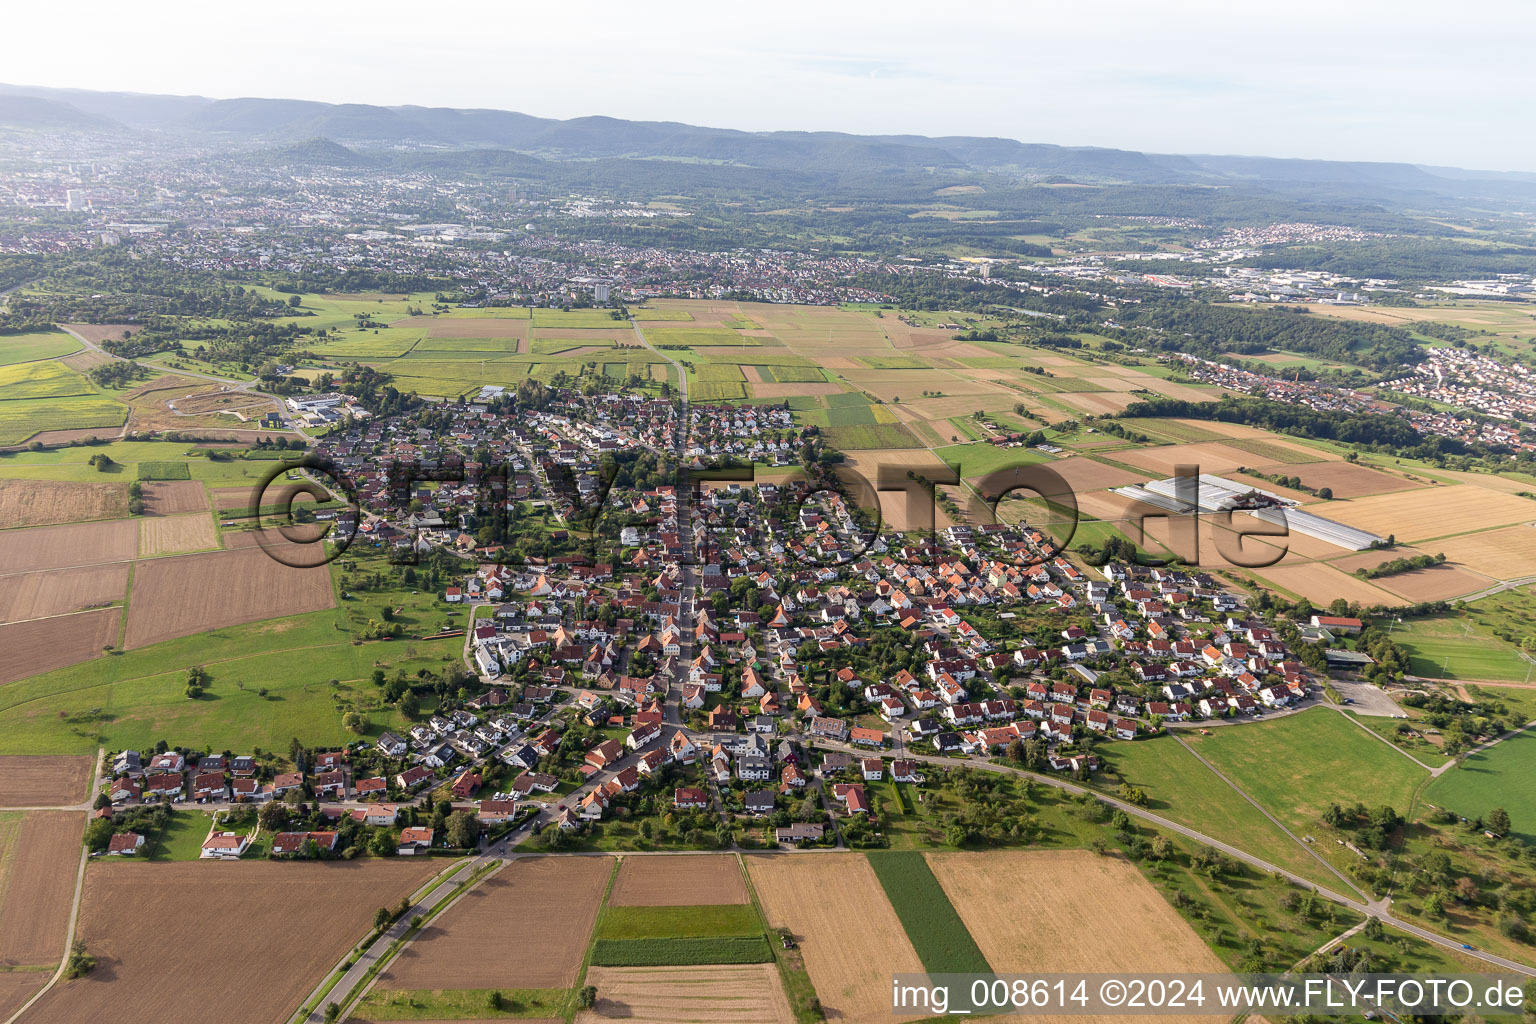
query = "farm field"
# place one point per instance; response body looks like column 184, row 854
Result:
column 16, row 987
column 717, row 994
column 816, row 897
column 56, row 547
column 678, row 881
column 942, row 942
column 170, row 497
column 23, row 348
column 1506, row 554
column 43, row 780
column 34, row 595
column 1460, row 648
column 1440, row 512
column 45, row 502
column 1109, row 916
column 42, row 380
column 554, row 898
column 1502, row 776
column 181, row 595
column 168, row 535
column 1296, row 766
column 128, row 910
column 23, row 417
column 37, row 884
column 41, row 645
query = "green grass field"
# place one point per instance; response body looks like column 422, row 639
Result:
column 674, row 315
column 1463, row 646
column 554, row 346
column 895, row 362
column 182, row 838
column 716, row 390
column 875, row 435
column 1502, row 776
column 1296, row 766
column 164, row 471
column 21, row 418
column 42, row 380
column 678, row 922
column 941, row 940
column 22, row 348
column 693, row 337
column 578, row 318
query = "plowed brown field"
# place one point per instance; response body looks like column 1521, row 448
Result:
column 42, row 645
column 553, row 900
column 54, row 547
column 44, row 780
column 32, row 595
column 168, row 497
column 187, row 594
column 678, row 881
column 287, row 924
column 37, row 885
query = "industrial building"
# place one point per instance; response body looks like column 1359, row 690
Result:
column 1214, row 494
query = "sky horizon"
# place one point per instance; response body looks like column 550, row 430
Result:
column 1363, row 81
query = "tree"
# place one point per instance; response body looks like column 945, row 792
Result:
column 332, row 1012
column 463, row 829
column 588, row 997
column 1434, row 905
column 381, row 917
column 1162, row 848
column 353, row 722
column 98, row 834
column 80, row 962
column 409, row 705
column 1498, row 821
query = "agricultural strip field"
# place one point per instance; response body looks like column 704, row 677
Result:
column 651, row 936
column 54, row 547
column 554, row 901
column 936, row 931
column 23, row 348
column 37, row 885
column 44, row 502
column 21, row 418
column 235, row 913
column 719, row 994
column 678, row 881
column 181, row 595
column 34, row 595
column 1104, row 914
column 1502, row 776
column 168, row 497
column 42, row 645
column 43, row 780
column 852, row 940
column 1296, row 766
column 166, row 535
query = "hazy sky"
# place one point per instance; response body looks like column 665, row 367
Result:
column 1347, row 79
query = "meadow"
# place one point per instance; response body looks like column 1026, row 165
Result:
column 1502, row 776
column 21, row 418
column 25, row 347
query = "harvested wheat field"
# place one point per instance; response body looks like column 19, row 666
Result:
column 167, row 535
column 1110, row 917
column 169, row 497
column 41, row 502
column 1345, row 479
column 718, row 994
column 37, row 886
column 98, row 333
column 1210, row 456
column 33, row 595
column 1320, row 584
column 43, row 780
column 553, row 898
column 55, row 547
column 42, row 645
column 1436, row 583
column 472, row 327
column 287, row 924
column 1431, row 512
column 678, row 881
column 1505, row 554
column 839, row 914
column 185, row 594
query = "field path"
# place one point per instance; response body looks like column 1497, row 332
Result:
column 74, row 907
